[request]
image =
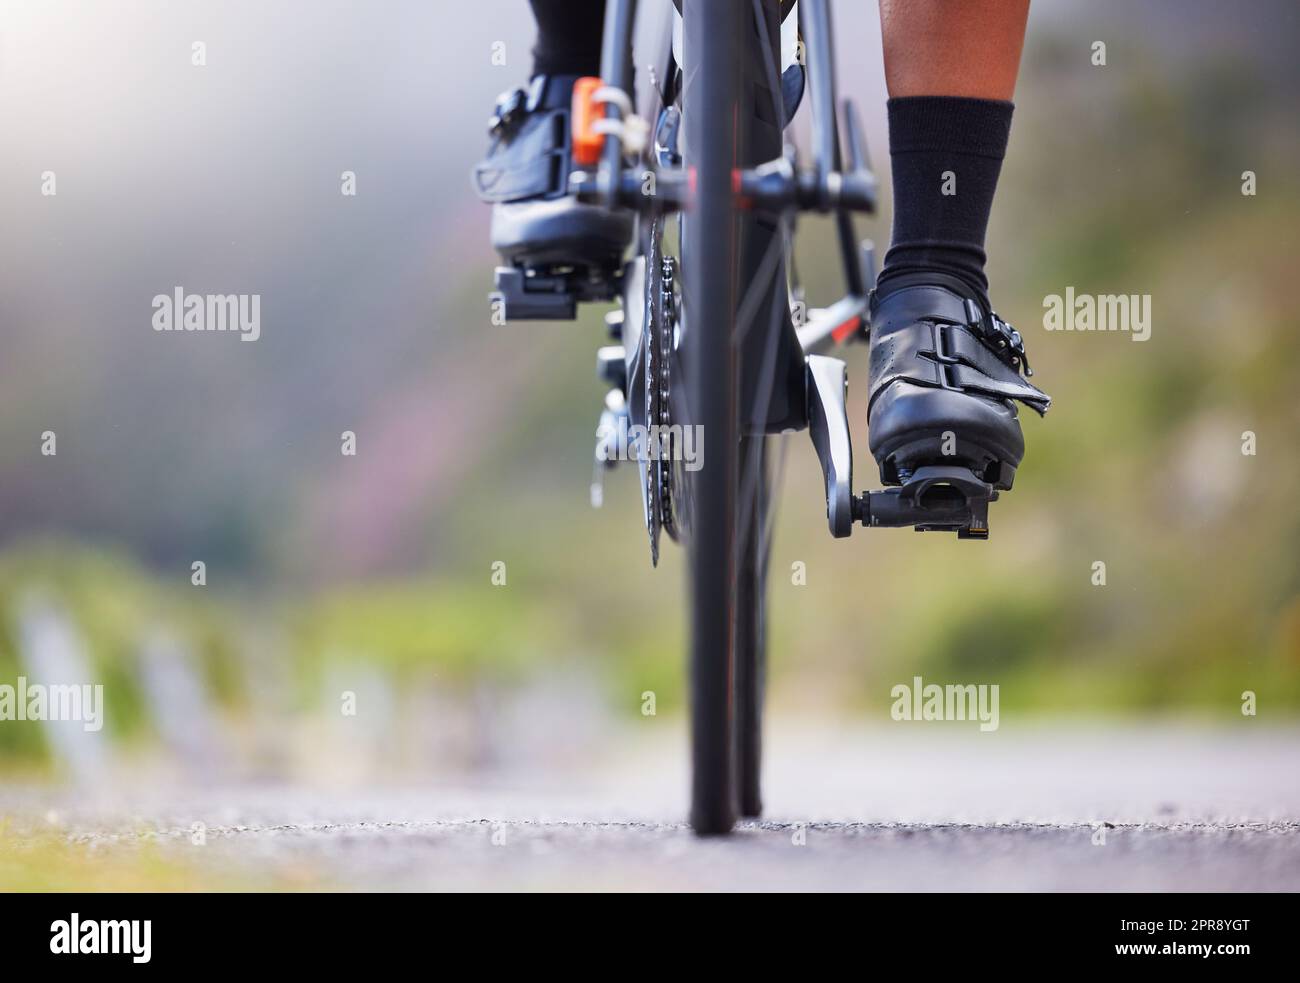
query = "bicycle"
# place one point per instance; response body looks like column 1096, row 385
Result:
column 707, row 329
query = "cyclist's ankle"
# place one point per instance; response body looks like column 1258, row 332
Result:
column 945, row 156
column 569, row 36
column 958, row 279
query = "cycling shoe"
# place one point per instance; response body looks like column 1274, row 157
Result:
column 536, row 223
column 945, row 377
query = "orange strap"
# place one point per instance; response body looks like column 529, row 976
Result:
column 587, row 144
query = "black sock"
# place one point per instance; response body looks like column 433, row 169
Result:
column 569, row 34
column 945, row 155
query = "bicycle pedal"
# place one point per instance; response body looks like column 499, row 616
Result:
column 520, row 296
column 943, row 499
column 543, row 295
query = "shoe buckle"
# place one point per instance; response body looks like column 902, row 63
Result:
column 1006, row 342
column 509, row 105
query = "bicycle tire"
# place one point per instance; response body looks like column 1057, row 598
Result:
column 751, row 630
column 711, row 89
column 728, row 122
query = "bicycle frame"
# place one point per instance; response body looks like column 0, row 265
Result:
column 776, row 187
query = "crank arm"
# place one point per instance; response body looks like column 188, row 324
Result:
column 828, row 425
column 950, row 499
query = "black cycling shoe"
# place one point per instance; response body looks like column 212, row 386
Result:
column 557, row 250
column 945, row 376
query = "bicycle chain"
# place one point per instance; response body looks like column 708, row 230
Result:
column 661, row 314
column 667, row 323
column 653, row 505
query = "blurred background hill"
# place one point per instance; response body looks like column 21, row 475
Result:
column 373, row 573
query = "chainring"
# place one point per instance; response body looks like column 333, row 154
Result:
column 657, row 341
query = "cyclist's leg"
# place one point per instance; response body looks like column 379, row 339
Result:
column 953, row 47
column 951, row 68
column 568, row 36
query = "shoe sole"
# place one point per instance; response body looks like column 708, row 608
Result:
column 902, row 458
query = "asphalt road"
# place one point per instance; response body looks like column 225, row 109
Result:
column 902, row 808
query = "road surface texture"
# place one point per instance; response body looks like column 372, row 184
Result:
column 1088, row 807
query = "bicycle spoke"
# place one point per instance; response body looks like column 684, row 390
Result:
column 756, row 292
column 768, row 374
column 771, row 66
column 776, row 480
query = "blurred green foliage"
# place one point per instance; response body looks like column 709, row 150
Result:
column 47, row 860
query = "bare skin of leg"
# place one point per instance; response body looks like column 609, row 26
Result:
column 953, row 47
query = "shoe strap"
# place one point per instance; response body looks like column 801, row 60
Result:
column 974, row 368
column 531, row 167
column 530, row 130
column 931, row 336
